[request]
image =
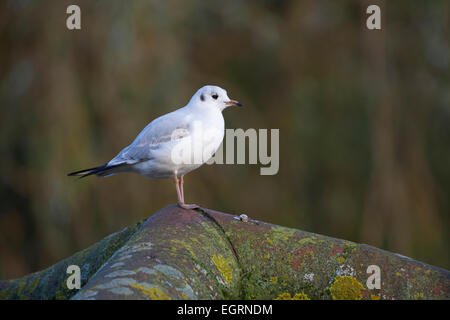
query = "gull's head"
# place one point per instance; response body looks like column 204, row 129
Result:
column 213, row 97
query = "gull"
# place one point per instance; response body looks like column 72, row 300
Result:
column 174, row 144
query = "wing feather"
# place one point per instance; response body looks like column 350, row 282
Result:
column 169, row 127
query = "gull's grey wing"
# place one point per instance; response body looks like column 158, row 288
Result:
column 172, row 126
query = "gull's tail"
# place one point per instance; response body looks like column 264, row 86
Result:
column 101, row 171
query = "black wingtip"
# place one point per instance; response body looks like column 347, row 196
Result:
column 87, row 172
column 96, row 170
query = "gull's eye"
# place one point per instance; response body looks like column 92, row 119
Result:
column 215, row 96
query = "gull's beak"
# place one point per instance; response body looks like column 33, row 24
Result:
column 234, row 103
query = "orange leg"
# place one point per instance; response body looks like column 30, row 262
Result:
column 180, row 194
column 181, row 188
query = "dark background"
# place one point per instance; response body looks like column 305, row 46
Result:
column 364, row 118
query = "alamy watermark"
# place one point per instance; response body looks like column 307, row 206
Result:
column 198, row 146
column 373, row 22
column 74, row 280
column 374, row 280
column 73, row 21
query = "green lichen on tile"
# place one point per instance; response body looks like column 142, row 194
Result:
column 280, row 234
column 297, row 296
column 418, row 296
column 223, row 265
column 51, row 282
column 346, row 288
column 181, row 254
column 153, row 293
column 306, row 241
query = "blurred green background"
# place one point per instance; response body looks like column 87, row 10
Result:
column 364, row 118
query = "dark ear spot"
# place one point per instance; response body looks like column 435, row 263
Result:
column 202, row 97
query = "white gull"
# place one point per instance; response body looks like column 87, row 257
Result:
column 174, row 144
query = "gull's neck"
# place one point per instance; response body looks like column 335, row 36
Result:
column 203, row 107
